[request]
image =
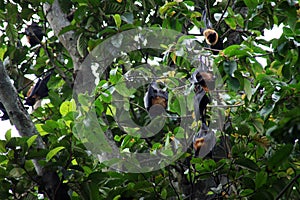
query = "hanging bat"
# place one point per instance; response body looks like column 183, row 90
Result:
column 34, row 34
column 203, row 141
column 211, row 36
column 156, row 98
column 199, row 78
column 201, row 98
column 38, row 91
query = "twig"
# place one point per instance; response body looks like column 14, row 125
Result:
column 178, row 197
column 226, row 7
column 287, row 187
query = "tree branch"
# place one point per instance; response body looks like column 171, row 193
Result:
column 58, row 20
column 17, row 113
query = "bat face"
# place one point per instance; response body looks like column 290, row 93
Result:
column 159, row 100
column 211, row 36
column 155, row 96
column 198, row 143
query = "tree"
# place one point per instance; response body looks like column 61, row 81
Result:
column 76, row 144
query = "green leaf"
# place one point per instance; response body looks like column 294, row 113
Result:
column 230, row 67
column 50, row 126
column 247, row 88
column 230, row 21
column 117, row 197
column 2, row 146
column 128, row 18
column 11, row 32
column 82, row 44
column 264, row 194
column 240, row 20
column 266, row 110
column 67, row 29
column 164, row 193
column 123, row 90
column 260, row 179
column 233, row 83
column 8, row 135
column 16, row 172
column 251, row 3
column 106, row 96
column 246, row 192
column 259, row 125
column 280, row 156
column 31, row 140
column 247, row 163
column 118, row 20
column 39, row 128
column 243, row 129
column 53, row 152
column 236, row 51
column 67, row 107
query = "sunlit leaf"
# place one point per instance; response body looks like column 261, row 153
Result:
column 31, row 140
column 118, row 20
column 53, row 152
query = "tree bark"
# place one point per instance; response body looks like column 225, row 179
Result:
column 58, row 20
column 17, row 113
column 19, row 116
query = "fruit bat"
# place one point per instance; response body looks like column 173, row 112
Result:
column 203, row 141
column 156, row 98
column 4, row 113
column 199, row 78
column 201, row 99
column 34, row 34
column 211, row 36
column 38, row 91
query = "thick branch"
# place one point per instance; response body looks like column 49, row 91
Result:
column 16, row 111
column 58, row 20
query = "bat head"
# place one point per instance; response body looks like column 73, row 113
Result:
column 200, row 78
column 155, row 100
column 211, row 36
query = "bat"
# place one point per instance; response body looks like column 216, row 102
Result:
column 34, row 34
column 156, row 98
column 203, row 141
column 211, row 36
column 38, row 91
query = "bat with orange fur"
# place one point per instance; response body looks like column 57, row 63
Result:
column 156, row 98
column 34, row 34
column 38, row 91
column 204, row 141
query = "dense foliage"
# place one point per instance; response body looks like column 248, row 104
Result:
column 259, row 156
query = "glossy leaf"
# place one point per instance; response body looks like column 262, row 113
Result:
column 53, row 153
column 279, row 156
